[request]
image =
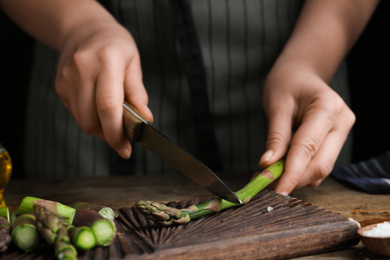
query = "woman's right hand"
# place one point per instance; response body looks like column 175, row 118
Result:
column 99, row 63
column 99, row 67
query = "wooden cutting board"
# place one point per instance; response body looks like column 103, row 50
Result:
column 271, row 226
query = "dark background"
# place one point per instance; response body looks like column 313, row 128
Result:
column 368, row 73
column 15, row 60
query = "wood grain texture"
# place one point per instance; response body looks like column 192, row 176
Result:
column 293, row 228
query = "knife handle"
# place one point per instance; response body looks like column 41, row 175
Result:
column 133, row 123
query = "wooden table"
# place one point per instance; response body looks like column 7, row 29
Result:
column 124, row 191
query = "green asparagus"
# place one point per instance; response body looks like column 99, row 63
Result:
column 64, row 250
column 53, row 230
column 61, row 210
column 82, row 237
column 166, row 216
column 5, row 234
column 25, row 234
column 5, row 229
column 48, row 223
column 104, row 211
column 103, row 229
column 58, row 226
column 4, row 212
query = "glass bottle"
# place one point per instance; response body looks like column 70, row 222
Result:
column 5, row 172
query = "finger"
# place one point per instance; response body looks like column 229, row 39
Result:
column 87, row 115
column 109, row 100
column 319, row 166
column 135, row 92
column 323, row 162
column 317, row 170
column 278, row 138
column 75, row 84
column 304, row 146
column 314, row 184
column 61, row 81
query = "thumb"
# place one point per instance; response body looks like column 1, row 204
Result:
column 278, row 139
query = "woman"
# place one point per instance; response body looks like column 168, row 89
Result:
column 283, row 54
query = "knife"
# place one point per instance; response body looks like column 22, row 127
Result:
column 139, row 130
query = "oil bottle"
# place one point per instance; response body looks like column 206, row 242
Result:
column 5, row 172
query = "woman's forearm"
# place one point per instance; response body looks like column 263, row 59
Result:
column 53, row 22
column 325, row 32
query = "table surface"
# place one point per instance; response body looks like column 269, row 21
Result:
column 124, row 191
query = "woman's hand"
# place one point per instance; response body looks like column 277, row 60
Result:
column 99, row 67
column 308, row 122
column 99, row 63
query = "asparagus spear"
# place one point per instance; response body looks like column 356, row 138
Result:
column 103, row 229
column 4, row 212
column 53, row 230
column 82, row 237
column 48, row 223
column 5, row 229
column 61, row 210
column 5, row 234
column 105, row 212
column 26, row 206
column 64, row 250
column 166, row 216
column 24, row 233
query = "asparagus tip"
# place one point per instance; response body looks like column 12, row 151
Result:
column 214, row 205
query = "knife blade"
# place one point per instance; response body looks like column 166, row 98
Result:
column 139, row 130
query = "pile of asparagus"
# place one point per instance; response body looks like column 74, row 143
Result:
column 84, row 226
column 68, row 230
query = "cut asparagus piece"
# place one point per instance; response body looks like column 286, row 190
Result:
column 5, row 234
column 48, row 223
column 63, row 249
column 62, row 211
column 82, row 237
column 4, row 212
column 104, row 211
column 25, row 234
column 166, row 216
column 26, row 206
column 53, row 230
column 103, row 229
